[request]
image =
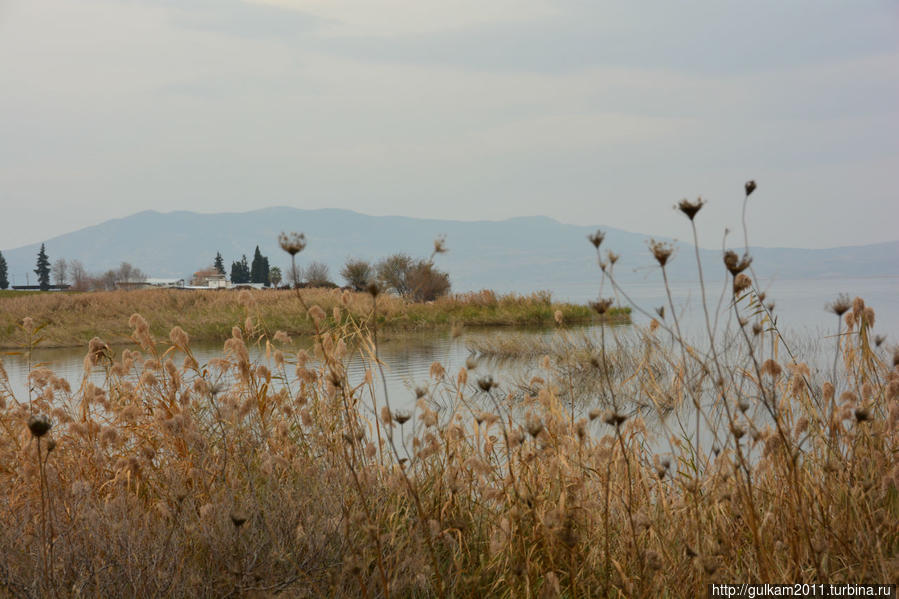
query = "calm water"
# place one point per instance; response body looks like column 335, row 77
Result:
column 799, row 306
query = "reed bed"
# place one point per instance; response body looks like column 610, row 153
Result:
column 73, row 319
column 237, row 478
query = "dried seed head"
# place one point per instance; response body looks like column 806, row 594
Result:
column 440, row 244
column 691, row 208
column 292, row 243
column 661, row 251
column 867, row 318
column 661, row 312
column 613, row 418
column 735, row 264
column 421, row 391
column 594, row 413
column 771, row 368
column 238, row 519
column 601, row 306
column 741, row 283
column 862, row 414
column 612, row 257
column 401, row 417
column 840, row 305
column 316, row 313
column 879, row 339
column 749, row 187
column 373, row 288
column 596, row 238
column 757, row 328
column 486, row 383
column 535, row 427
column 39, row 425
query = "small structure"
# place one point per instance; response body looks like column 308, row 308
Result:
column 217, row 281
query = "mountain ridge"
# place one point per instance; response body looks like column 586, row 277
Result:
column 522, row 254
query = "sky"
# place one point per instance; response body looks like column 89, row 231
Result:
column 586, row 111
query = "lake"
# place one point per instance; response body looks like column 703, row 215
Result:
column 800, row 308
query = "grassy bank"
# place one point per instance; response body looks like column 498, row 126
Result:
column 72, row 319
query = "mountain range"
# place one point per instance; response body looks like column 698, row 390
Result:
column 519, row 254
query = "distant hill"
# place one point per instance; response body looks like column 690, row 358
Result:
column 519, row 254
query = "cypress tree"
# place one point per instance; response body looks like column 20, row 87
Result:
column 4, row 273
column 244, row 269
column 43, row 269
column 256, row 274
column 219, row 263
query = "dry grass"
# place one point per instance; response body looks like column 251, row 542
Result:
column 72, row 319
column 233, row 478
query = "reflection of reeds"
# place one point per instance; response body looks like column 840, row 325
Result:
column 244, row 477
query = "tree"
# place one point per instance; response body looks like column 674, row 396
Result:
column 240, row 271
column 4, row 273
column 357, row 274
column 80, row 278
column 60, row 270
column 274, row 275
column 392, row 272
column 259, row 271
column 426, row 283
column 129, row 274
column 43, row 269
column 318, row 275
column 219, row 263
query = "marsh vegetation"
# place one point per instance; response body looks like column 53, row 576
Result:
column 254, row 477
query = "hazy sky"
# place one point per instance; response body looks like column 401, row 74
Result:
column 590, row 112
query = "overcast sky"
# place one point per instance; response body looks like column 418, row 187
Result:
column 590, row 112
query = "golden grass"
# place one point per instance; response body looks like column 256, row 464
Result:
column 73, row 319
column 236, row 478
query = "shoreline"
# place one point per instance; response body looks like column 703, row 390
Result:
column 73, row 319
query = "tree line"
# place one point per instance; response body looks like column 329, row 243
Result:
column 72, row 273
column 417, row 279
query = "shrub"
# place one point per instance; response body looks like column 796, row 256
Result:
column 357, row 273
column 426, row 283
column 318, row 275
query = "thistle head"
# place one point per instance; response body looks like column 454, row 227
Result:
column 690, row 209
column 735, row 264
column 601, row 306
column 39, row 425
column 486, row 383
column 840, row 305
column 661, row 251
column 596, row 238
column 292, row 243
column 749, row 187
